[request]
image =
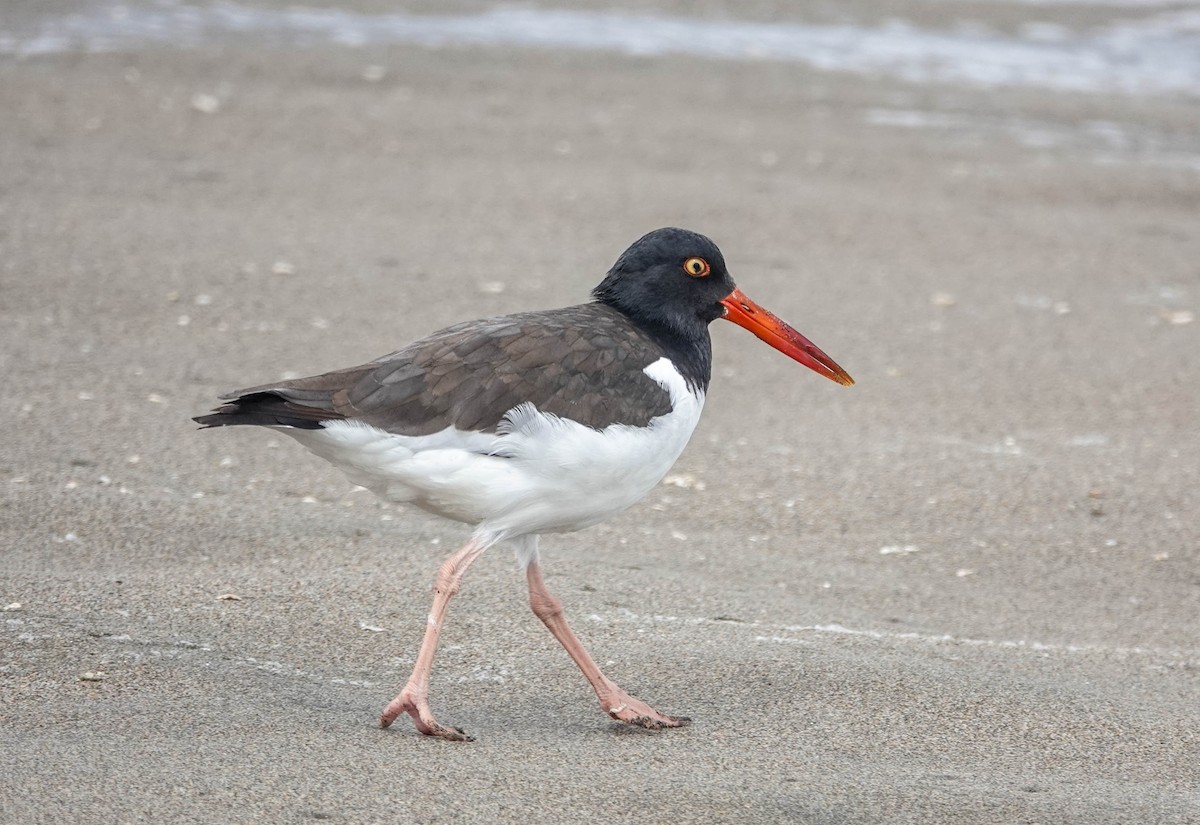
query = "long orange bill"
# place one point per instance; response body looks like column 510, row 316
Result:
column 745, row 313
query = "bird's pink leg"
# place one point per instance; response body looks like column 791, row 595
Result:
column 616, row 702
column 414, row 698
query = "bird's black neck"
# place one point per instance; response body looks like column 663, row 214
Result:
column 686, row 342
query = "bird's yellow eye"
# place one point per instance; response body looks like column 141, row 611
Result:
column 696, row 267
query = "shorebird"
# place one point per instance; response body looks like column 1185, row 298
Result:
column 538, row 422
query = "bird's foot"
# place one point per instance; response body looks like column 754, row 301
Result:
column 416, row 704
column 625, row 708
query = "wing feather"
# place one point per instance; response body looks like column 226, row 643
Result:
column 584, row 363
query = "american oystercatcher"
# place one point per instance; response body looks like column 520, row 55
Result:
column 539, row 422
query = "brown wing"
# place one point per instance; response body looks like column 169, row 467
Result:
column 584, row 363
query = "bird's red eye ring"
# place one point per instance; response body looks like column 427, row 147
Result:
column 696, row 267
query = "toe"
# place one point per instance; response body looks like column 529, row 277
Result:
column 660, row 722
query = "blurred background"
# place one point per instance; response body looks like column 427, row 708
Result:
column 966, row 589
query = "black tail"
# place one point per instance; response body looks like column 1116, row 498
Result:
column 266, row 409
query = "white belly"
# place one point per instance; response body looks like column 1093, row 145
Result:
column 538, row 474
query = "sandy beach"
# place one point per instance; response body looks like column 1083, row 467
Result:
column 965, row 590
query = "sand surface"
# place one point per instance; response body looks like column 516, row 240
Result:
column 965, row 590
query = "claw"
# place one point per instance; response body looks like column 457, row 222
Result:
column 416, row 705
column 650, row 723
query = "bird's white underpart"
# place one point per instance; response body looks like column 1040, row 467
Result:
column 539, row 473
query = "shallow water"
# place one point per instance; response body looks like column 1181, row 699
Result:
column 1141, row 48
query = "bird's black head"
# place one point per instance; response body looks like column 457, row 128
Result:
column 670, row 280
column 673, row 283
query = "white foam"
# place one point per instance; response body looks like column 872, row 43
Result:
column 1155, row 54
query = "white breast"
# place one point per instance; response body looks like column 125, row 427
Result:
column 539, row 474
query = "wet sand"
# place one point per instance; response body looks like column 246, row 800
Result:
column 964, row 590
